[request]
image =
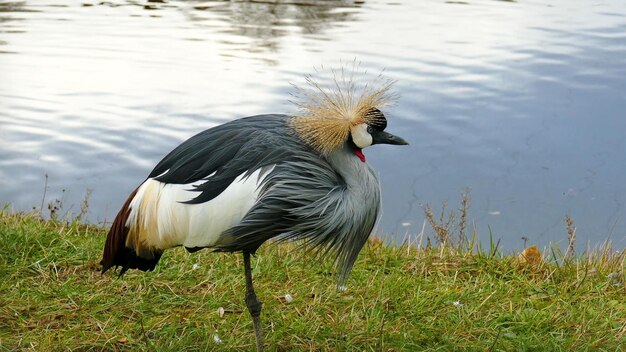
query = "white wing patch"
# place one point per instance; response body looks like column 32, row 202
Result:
column 158, row 218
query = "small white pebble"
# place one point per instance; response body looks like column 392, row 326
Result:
column 288, row 298
column 220, row 312
column 509, row 335
column 216, row 338
column 457, row 304
column 616, row 279
column 195, row 266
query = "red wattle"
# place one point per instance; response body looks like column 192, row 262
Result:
column 360, row 154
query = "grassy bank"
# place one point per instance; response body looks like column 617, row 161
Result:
column 398, row 298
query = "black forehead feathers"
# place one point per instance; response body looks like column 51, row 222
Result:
column 377, row 119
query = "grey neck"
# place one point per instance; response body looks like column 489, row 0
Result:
column 359, row 176
column 358, row 209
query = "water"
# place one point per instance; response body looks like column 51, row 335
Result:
column 523, row 102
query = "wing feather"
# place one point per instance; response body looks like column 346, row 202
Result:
column 220, row 154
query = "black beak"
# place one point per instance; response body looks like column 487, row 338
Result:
column 382, row 137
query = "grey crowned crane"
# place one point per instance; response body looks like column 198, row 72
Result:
column 237, row 185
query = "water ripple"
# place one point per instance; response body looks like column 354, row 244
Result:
column 520, row 101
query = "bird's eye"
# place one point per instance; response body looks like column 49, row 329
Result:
column 370, row 130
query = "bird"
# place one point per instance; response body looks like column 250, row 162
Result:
column 232, row 187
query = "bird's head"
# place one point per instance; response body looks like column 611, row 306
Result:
column 345, row 115
column 371, row 132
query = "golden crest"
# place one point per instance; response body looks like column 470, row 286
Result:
column 327, row 113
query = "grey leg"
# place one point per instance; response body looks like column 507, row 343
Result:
column 253, row 303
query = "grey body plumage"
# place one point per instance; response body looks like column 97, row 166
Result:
column 330, row 202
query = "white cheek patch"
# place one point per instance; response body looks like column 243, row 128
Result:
column 360, row 137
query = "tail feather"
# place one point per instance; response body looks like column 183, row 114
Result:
column 117, row 253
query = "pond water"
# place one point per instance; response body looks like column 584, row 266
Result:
column 522, row 102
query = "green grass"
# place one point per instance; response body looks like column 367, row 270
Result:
column 53, row 298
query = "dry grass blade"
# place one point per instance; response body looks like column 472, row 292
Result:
column 571, row 237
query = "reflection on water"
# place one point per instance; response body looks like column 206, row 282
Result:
column 267, row 23
column 251, row 26
column 521, row 102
